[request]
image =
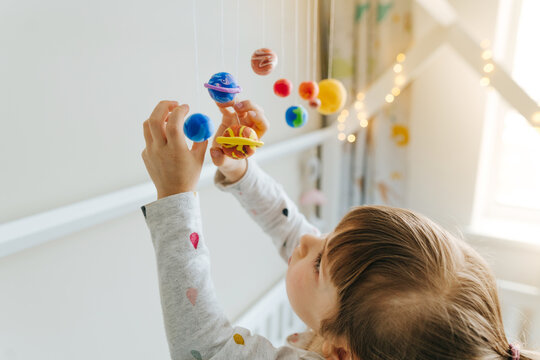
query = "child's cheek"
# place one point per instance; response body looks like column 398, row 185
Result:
column 296, row 285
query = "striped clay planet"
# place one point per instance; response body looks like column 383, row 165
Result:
column 263, row 61
column 239, row 141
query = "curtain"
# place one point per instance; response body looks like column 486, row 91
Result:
column 368, row 35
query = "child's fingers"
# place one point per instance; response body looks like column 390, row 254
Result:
column 252, row 116
column 229, row 116
column 217, row 156
column 199, row 150
column 175, row 125
column 147, row 133
column 157, row 120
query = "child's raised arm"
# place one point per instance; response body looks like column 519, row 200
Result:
column 263, row 198
column 195, row 324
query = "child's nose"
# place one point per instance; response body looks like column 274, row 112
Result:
column 306, row 242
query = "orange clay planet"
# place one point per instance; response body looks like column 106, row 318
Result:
column 333, row 95
column 308, row 90
column 239, row 141
column 263, row 61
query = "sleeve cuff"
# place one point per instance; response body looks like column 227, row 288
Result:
column 219, row 178
column 156, row 209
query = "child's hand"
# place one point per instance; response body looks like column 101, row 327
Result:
column 250, row 115
column 171, row 165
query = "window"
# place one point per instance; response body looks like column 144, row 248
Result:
column 509, row 179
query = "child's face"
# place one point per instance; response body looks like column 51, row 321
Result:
column 311, row 292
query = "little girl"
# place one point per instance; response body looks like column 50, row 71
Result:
column 385, row 284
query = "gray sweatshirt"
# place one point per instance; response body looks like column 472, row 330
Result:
column 195, row 324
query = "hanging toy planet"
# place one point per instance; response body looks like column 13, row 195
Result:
column 239, row 141
column 282, row 87
column 222, row 87
column 333, row 95
column 263, row 61
column 198, row 127
column 308, row 90
column 296, row 116
column 314, row 103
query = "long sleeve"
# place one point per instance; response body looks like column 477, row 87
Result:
column 268, row 204
column 195, row 324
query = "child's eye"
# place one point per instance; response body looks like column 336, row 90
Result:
column 317, row 263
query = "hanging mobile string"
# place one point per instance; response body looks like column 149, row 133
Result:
column 296, row 46
column 196, row 46
column 237, row 37
column 222, row 38
column 331, row 39
column 237, row 47
column 315, row 38
column 282, row 55
column 308, row 27
column 264, row 24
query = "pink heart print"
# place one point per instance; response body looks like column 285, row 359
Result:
column 191, row 294
column 194, row 237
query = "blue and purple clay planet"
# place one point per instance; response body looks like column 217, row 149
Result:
column 222, row 88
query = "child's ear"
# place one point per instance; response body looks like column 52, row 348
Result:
column 333, row 350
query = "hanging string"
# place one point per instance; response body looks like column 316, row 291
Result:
column 237, row 48
column 331, row 38
column 196, row 46
column 282, row 55
column 296, row 46
column 308, row 27
column 237, row 38
column 315, row 37
column 264, row 24
column 222, row 38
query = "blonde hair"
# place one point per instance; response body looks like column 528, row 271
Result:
column 408, row 289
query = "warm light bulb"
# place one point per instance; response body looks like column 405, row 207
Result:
column 484, row 81
column 351, row 138
column 398, row 68
column 341, row 136
column 345, row 113
column 358, row 105
column 489, row 67
column 360, row 96
column 536, row 118
column 341, row 119
column 363, row 123
column 389, row 98
column 487, row 54
column 396, row 91
column 400, row 57
column 341, row 127
column 399, row 80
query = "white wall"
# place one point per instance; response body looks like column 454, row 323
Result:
column 78, row 80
